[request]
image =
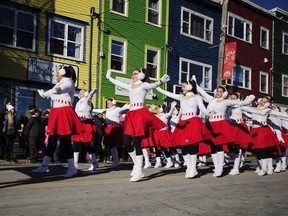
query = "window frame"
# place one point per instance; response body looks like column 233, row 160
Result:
column 241, row 19
column 189, row 25
column 158, row 50
column 261, row 37
column 111, row 38
column 231, row 82
column 159, row 14
column 203, row 65
column 285, row 34
column 284, row 76
column 15, row 29
column 267, row 81
column 126, row 6
column 66, row 23
column 177, row 89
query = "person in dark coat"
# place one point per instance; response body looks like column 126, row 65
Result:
column 34, row 133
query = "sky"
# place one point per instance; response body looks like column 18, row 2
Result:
column 269, row 4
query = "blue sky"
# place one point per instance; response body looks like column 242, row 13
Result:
column 269, row 4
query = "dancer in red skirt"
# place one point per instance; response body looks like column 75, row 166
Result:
column 63, row 121
column 113, row 136
column 83, row 109
column 263, row 137
column 190, row 130
column 281, row 165
column 274, row 121
column 241, row 134
column 162, row 137
column 139, row 122
column 218, row 125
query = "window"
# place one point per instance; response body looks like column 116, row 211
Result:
column 119, row 6
column 152, row 62
column 241, row 77
column 18, row 28
column 203, row 72
column 65, row 39
column 263, row 82
column 285, row 43
column 239, row 27
column 264, row 38
column 196, row 25
column 154, row 12
column 117, row 56
column 284, row 85
column 177, row 89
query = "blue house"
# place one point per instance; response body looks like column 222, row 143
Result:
column 193, row 43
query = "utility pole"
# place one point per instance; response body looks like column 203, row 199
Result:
column 222, row 40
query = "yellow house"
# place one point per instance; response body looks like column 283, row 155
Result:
column 37, row 38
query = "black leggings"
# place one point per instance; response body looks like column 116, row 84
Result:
column 128, row 139
column 65, row 141
column 189, row 149
column 216, row 148
column 261, row 153
column 165, row 152
column 87, row 147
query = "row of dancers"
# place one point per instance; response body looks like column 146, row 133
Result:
column 143, row 129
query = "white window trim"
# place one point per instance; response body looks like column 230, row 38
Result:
column 124, row 56
column 245, row 30
column 159, row 17
column 282, row 89
column 175, row 88
column 200, row 15
column 190, row 75
column 14, row 29
column 158, row 60
column 250, row 74
column 267, row 31
column 71, row 23
column 283, row 36
column 267, row 81
column 126, row 6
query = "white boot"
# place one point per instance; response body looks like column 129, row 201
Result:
column 192, row 171
column 169, row 163
column 202, row 161
column 133, row 157
column 258, row 168
column 263, row 170
column 115, row 159
column 177, row 161
column 188, row 164
column 242, row 158
column 94, row 164
column 284, row 166
column 158, row 162
column 44, row 166
column 215, row 162
column 220, row 156
column 76, row 158
column 138, row 169
column 147, row 163
column 269, row 166
column 278, row 165
column 71, row 171
column 235, row 170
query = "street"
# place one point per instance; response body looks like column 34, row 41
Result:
column 161, row 192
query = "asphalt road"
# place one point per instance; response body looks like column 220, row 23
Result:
column 161, row 192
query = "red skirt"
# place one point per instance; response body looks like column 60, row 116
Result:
column 241, row 135
column 147, row 142
column 113, row 135
column 141, row 122
column 263, row 137
column 221, row 132
column 190, row 131
column 163, row 139
column 64, row 121
column 285, row 137
column 89, row 134
column 204, row 148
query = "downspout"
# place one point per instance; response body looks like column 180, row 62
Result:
column 98, row 54
column 92, row 13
